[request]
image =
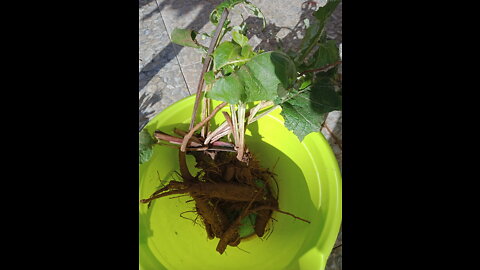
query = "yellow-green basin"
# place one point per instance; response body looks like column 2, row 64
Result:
column 310, row 187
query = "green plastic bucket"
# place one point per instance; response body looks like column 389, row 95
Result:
column 310, row 187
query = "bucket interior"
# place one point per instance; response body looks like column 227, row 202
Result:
column 309, row 187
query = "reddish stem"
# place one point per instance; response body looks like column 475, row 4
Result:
column 199, row 125
column 165, row 137
column 183, row 133
column 322, row 68
column 222, row 144
column 206, row 64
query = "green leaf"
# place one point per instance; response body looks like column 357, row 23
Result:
column 315, row 31
column 216, row 14
column 323, row 13
column 300, row 119
column 242, row 28
column 228, row 69
column 305, row 84
column 247, row 225
column 226, row 27
column 145, row 146
column 209, row 77
column 326, row 54
column 324, row 96
column 228, row 53
column 186, row 37
column 247, row 51
column 256, row 11
column 311, row 37
column 291, row 53
column 304, row 111
column 239, row 38
column 260, row 79
column 205, row 36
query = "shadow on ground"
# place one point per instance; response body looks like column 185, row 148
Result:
column 166, row 55
column 268, row 39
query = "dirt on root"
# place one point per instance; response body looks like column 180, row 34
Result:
column 225, row 191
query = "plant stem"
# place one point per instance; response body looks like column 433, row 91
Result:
column 322, row 68
column 234, row 62
column 199, row 125
column 253, row 111
column 205, row 112
column 223, row 133
column 233, row 111
column 223, row 127
column 231, row 127
column 171, row 139
column 263, row 114
column 310, row 48
column 222, row 149
column 228, row 126
column 206, row 65
column 241, row 130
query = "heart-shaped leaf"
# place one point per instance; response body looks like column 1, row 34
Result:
column 259, row 79
column 186, row 37
column 227, row 53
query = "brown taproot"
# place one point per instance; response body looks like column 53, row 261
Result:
column 231, row 235
column 164, row 194
column 227, row 191
column 228, row 173
column 235, row 243
column 263, row 216
column 209, row 230
column 184, row 168
column 212, row 215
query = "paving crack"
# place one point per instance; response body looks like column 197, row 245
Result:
column 175, row 48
